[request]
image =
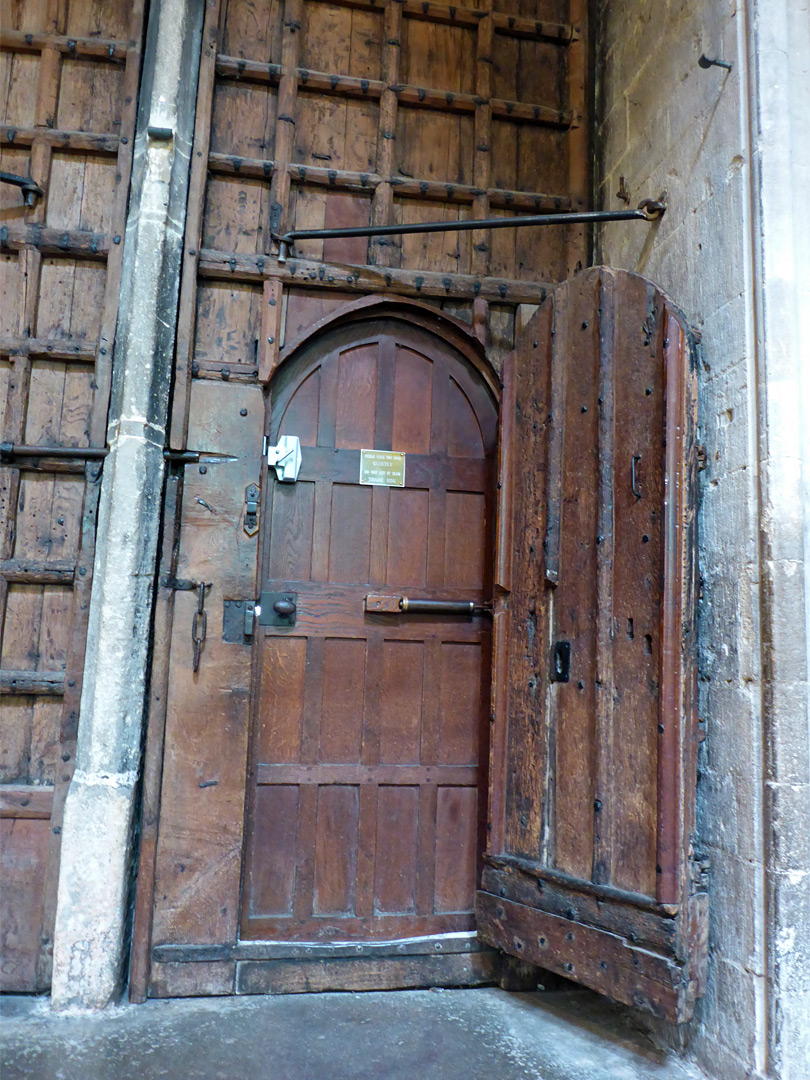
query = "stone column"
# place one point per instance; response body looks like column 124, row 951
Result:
column 95, row 869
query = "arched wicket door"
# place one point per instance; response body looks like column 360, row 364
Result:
column 366, row 786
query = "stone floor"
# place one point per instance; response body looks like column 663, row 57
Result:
column 482, row 1034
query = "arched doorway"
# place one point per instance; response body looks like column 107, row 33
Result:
column 367, row 780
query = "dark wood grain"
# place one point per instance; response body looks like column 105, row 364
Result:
column 610, row 748
column 375, row 743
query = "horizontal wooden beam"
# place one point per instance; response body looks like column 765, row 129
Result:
column 70, row 242
column 455, row 15
column 404, row 187
column 76, row 141
column 324, row 82
column 536, row 29
column 236, row 67
column 444, row 775
column 102, row 48
column 633, row 976
column 522, row 112
column 283, row 950
column 26, row 801
column 36, row 572
column 54, row 349
column 45, row 683
column 363, row 279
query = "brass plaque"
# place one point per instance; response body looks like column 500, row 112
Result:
column 385, row 468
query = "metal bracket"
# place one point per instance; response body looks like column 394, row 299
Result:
column 237, row 621
column 251, row 519
column 277, row 608
column 285, row 458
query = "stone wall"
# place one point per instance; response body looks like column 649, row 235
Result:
column 728, row 148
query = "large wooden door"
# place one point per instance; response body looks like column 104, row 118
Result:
column 589, row 869
column 68, row 90
column 370, row 729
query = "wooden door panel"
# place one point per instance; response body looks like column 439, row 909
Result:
column 67, row 120
column 373, row 734
column 197, row 855
column 593, row 759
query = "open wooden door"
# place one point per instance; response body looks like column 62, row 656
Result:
column 592, row 778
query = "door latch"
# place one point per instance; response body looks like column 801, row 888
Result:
column 285, row 458
column 251, row 520
column 277, row 608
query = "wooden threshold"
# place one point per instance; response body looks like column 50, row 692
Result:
column 302, row 950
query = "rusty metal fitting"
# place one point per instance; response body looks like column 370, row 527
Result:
column 653, row 209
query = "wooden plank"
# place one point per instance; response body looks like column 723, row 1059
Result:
column 23, row 851
column 379, row 252
column 70, row 242
column 525, row 112
column 139, row 973
column 429, row 945
column 322, row 774
column 287, row 112
column 676, row 745
column 271, row 329
column 55, row 348
column 579, row 165
column 109, row 49
column 25, row 801
column 405, row 188
column 203, row 794
column 458, row 15
column 237, row 67
column 502, row 586
column 604, row 773
column 363, row 279
column 37, row 572
column 187, row 309
column 192, row 980
column 71, row 141
column 48, row 683
column 627, row 914
column 534, row 29
column 304, row 926
column 318, row 976
column 637, row 576
column 528, row 795
column 627, row 974
column 482, row 159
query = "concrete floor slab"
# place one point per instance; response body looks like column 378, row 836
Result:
column 481, row 1034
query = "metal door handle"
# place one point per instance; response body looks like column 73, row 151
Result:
column 404, row 605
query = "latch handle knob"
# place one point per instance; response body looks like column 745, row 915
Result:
column 284, row 607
